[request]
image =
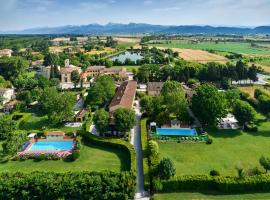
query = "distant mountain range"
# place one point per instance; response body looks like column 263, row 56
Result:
column 137, row 28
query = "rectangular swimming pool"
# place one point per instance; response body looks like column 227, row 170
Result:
column 176, row 132
column 51, row 146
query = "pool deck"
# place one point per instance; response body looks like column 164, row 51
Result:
column 61, row 153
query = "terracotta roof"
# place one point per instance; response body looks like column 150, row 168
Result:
column 92, row 68
column 154, row 86
column 58, row 133
column 125, row 95
column 65, row 70
column 114, row 70
column 81, row 113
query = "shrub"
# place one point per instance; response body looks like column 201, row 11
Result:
column 40, row 157
column 209, row 141
column 157, row 184
column 166, row 169
column 251, row 128
column 72, row 157
column 70, row 185
column 214, row 173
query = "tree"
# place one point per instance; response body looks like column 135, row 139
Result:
column 52, row 60
column 101, row 92
column 124, row 119
column 11, row 68
column 209, row 105
column 58, row 106
column 252, row 73
column 7, row 126
column 75, row 77
column 166, row 169
column 232, row 96
column 244, row 112
column 170, row 87
column 265, row 163
column 101, row 120
column 14, row 142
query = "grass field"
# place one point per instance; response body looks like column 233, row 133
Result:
column 235, row 47
column 250, row 89
column 229, row 149
column 36, row 122
column 210, row 196
column 92, row 158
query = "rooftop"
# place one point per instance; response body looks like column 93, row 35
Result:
column 154, row 86
column 58, row 133
column 125, row 95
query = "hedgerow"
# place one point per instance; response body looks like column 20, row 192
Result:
column 71, row 185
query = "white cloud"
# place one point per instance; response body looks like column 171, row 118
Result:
column 166, row 9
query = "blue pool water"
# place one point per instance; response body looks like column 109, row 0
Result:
column 176, row 131
column 51, row 146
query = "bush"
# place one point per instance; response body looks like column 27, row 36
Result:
column 214, row 173
column 157, row 184
column 166, row 169
column 70, row 185
column 251, row 128
column 209, row 141
column 40, row 157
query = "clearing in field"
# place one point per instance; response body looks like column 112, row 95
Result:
column 199, row 56
column 229, row 149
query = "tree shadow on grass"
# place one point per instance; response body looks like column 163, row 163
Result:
column 217, row 133
column 122, row 155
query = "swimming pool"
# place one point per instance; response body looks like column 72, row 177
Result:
column 177, row 131
column 51, row 146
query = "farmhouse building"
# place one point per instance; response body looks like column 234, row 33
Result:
column 124, row 96
column 154, row 88
column 5, row 52
column 67, row 70
column 6, row 95
column 94, row 71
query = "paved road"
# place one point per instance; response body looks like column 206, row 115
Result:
column 136, row 141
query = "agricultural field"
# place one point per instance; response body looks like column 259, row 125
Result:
column 250, row 89
column 235, row 47
column 199, row 56
column 92, row 158
column 210, row 196
column 228, row 150
column 105, row 50
column 127, row 42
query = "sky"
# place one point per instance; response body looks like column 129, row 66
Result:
column 23, row 14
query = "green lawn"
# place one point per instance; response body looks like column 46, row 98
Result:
column 92, row 158
column 235, row 47
column 229, row 149
column 37, row 122
column 210, row 196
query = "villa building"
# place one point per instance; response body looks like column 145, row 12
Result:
column 5, row 52
column 124, row 97
column 6, row 95
column 94, row 71
column 66, row 71
column 154, row 88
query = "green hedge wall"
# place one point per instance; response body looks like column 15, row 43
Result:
column 75, row 185
column 259, row 183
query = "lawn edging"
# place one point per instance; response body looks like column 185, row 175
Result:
column 226, row 184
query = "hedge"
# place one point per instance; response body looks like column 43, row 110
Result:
column 71, row 185
column 258, row 183
column 144, row 141
column 116, row 143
